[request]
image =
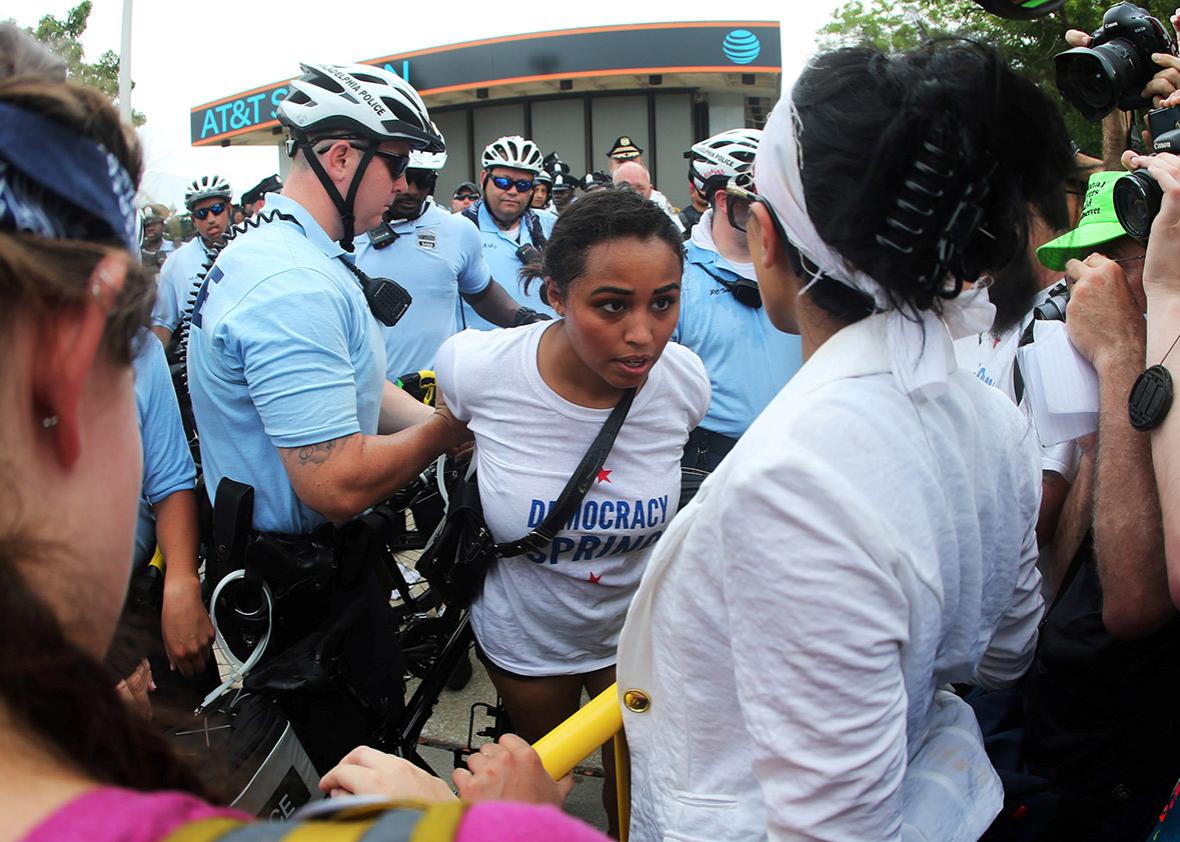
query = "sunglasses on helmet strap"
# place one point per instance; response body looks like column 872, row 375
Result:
column 217, row 209
column 522, row 186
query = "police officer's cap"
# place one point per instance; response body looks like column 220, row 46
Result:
column 624, row 149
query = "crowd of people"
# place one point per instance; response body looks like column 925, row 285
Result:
column 901, row 606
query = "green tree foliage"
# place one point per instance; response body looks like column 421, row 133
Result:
column 63, row 36
column 1029, row 46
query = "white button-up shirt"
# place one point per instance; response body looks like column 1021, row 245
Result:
column 855, row 551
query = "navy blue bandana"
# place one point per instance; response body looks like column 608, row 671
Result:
column 58, row 185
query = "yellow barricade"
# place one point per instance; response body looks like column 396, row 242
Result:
column 599, row 720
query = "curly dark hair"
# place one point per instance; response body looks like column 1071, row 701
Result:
column 596, row 218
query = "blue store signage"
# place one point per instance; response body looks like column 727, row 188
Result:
column 665, row 48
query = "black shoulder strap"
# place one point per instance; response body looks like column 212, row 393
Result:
column 531, row 219
column 536, row 233
column 577, row 487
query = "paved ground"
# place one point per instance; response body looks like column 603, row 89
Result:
column 448, row 727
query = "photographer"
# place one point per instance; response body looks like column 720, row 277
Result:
column 1118, row 124
column 1161, row 287
column 1100, row 733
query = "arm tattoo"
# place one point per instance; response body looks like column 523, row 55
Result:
column 318, row 454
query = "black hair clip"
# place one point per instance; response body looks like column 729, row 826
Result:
column 923, row 191
column 929, row 195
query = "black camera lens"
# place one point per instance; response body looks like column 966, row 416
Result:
column 1137, row 200
column 1113, row 70
column 1053, row 307
column 1093, row 80
column 1087, row 83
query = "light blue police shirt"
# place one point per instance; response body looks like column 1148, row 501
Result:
column 499, row 250
column 748, row 359
column 283, row 353
column 178, row 283
column 167, row 464
column 435, row 257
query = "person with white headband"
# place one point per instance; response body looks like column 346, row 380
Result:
column 871, row 538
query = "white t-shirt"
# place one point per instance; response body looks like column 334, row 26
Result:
column 559, row 612
column 992, row 358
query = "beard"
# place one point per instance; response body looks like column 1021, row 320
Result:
column 1013, row 290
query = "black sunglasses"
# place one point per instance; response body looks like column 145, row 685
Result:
column 217, row 209
column 394, row 162
column 504, row 182
column 737, row 209
column 467, row 197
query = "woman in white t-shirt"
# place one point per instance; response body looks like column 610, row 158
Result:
column 548, row 622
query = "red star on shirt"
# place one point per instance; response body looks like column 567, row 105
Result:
column 604, row 475
column 996, row 341
column 594, row 580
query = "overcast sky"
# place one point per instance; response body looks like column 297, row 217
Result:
column 186, row 54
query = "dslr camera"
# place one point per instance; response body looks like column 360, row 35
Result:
column 1116, row 66
column 1137, row 196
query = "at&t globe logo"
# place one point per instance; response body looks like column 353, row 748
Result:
column 741, row 46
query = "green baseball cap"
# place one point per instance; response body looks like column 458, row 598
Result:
column 1097, row 225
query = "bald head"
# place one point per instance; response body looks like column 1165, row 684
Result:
column 634, row 176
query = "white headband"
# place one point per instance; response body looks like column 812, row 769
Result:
column 921, row 350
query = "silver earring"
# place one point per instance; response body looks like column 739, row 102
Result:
column 49, row 421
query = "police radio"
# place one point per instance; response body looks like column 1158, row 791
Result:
column 388, row 300
column 383, row 236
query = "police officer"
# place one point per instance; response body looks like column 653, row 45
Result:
column 254, row 199
column 208, row 201
column 542, row 190
column 287, row 373
column 437, row 257
column 563, row 191
column 154, row 248
column 721, row 315
column 465, row 194
column 626, row 151
column 510, row 228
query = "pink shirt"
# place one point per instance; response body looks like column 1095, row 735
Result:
column 109, row 814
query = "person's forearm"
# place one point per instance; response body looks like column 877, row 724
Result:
column 1114, row 139
column 1076, row 517
column 1054, row 490
column 495, row 305
column 343, row 477
column 177, row 535
column 164, row 334
column 399, row 410
column 1128, row 529
column 1163, row 326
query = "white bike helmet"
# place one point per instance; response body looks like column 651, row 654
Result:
column 207, row 187
column 360, row 100
column 353, row 101
column 716, row 160
column 514, row 152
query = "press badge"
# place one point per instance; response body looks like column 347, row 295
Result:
column 427, row 240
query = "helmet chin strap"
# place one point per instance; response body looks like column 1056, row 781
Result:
column 344, row 204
